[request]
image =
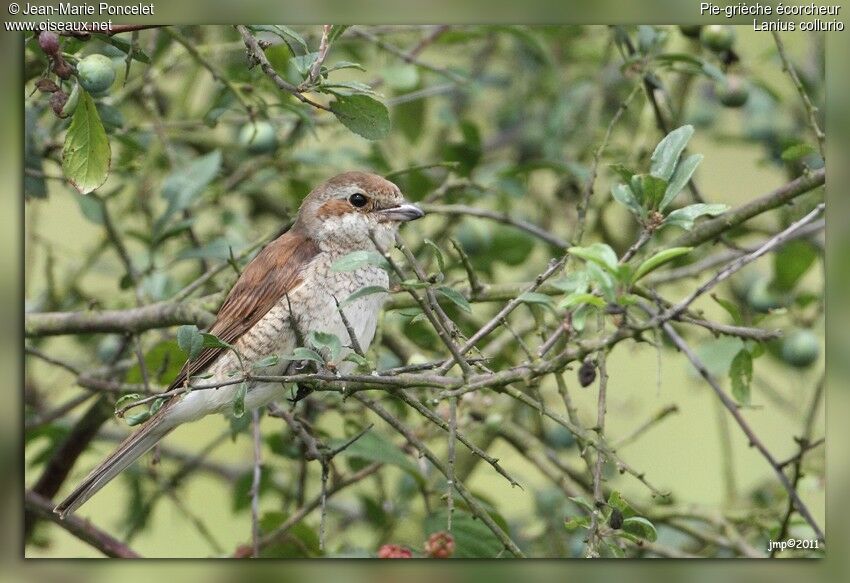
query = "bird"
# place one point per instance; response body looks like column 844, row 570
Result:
column 290, row 289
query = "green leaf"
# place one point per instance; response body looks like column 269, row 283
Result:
column 190, row 341
column 303, row 353
column 126, row 400
column 652, row 189
column 266, row 362
column 658, row 260
column 125, row 47
column 239, row 400
column 456, row 297
column 363, row 292
column 137, row 419
column 213, row 341
column 741, row 374
column 603, row 280
column 730, row 307
column 684, row 170
column 363, row 115
column 640, row 527
column 357, row 259
column 666, row 154
column 624, row 195
column 535, row 298
column 372, row 447
column 797, row 151
column 473, row 539
column 598, row 253
column 92, row 208
column 616, row 500
column 623, row 171
column 573, row 300
column 336, row 31
column 685, row 217
column 582, row 503
column 86, row 154
column 326, row 341
column 576, row 522
column 790, row 264
column 437, row 253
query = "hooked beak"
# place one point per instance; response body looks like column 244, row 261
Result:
column 402, row 213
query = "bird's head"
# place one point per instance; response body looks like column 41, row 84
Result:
column 351, row 208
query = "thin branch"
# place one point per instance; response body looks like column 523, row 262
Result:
column 255, row 52
column 811, row 110
column 79, row 528
column 745, row 427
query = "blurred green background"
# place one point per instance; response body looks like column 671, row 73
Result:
column 672, row 11
column 529, row 93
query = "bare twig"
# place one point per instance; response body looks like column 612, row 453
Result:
column 811, row 110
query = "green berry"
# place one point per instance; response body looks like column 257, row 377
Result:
column 734, row 92
column 258, row 138
column 801, row 348
column 718, row 37
column 761, row 298
column 690, row 30
column 96, row 74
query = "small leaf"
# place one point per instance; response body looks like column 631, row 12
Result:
column 363, row 115
column 86, row 154
column 685, row 217
column 266, row 362
column 604, row 281
column 372, row 447
column 456, row 297
column 797, row 151
column 581, row 502
column 190, row 341
column 213, row 341
column 624, row 195
column 640, row 527
column 666, row 154
column 91, row 208
column 658, row 260
column 598, row 253
column 357, row 259
column 535, row 298
column 616, row 500
column 137, row 419
column 156, row 406
column 302, row 353
column 790, row 264
column 681, row 176
column 437, row 253
column 362, row 293
column 741, row 374
column 126, row 400
column 357, row 359
column 730, row 307
column 576, row 522
column 653, row 189
column 326, row 341
column 336, row 31
column 573, row 300
column 239, row 400
column 623, row 171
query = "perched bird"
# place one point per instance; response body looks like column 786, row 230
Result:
column 287, row 291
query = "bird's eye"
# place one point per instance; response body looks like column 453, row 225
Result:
column 357, row 199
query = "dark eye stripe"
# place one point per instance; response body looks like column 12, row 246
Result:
column 358, row 199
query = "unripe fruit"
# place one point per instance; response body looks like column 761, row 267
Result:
column 761, row 298
column 49, row 43
column 690, row 30
column 734, row 92
column 718, row 37
column 96, row 73
column 258, row 137
column 801, row 348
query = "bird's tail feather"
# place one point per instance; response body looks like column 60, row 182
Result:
column 132, row 448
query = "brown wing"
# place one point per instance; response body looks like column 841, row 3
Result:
column 275, row 271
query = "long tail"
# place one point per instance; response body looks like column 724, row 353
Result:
column 125, row 454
